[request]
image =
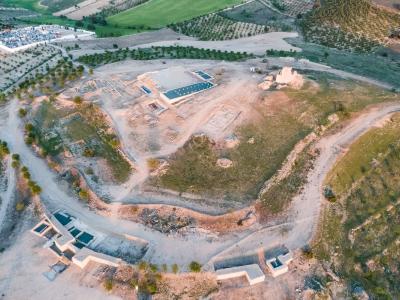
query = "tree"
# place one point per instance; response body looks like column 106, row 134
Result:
column 20, row 206
column 36, row 190
column 22, row 112
column 175, row 268
column 83, row 194
column 164, row 268
column 108, row 284
column 15, row 164
column 29, row 127
column 78, row 100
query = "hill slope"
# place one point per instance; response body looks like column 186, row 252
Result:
column 350, row 24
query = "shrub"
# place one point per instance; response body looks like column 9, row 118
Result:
column 175, row 268
column 20, row 206
column 108, row 284
column 15, row 156
column 153, row 164
column 307, row 252
column 164, row 268
column 15, row 164
column 143, row 265
column 29, row 140
column 153, row 268
column 88, row 152
column 195, row 266
column 83, row 194
column 22, row 112
column 329, row 194
column 36, row 190
column 89, row 171
column 78, row 100
column 151, row 288
column 26, row 175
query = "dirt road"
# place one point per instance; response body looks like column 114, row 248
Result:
column 256, row 44
column 303, row 214
column 296, row 231
column 175, row 249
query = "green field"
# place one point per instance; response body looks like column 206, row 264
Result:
column 159, row 13
column 28, row 4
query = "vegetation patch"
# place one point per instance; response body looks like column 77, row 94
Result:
column 173, row 52
column 82, row 131
column 56, row 5
column 278, row 197
column 293, row 8
column 382, row 65
column 214, row 27
column 258, row 13
column 350, row 24
column 360, row 233
column 193, row 168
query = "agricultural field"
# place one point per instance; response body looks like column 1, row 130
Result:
column 355, row 25
column 361, row 228
column 257, row 13
column 56, row 5
column 159, row 13
column 32, row 5
column 39, row 14
column 9, row 16
column 293, row 8
column 16, row 66
column 113, row 8
column 214, row 27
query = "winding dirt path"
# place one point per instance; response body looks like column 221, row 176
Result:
column 201, row 246
column 303, row 215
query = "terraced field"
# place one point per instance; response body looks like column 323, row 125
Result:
column 159, row 13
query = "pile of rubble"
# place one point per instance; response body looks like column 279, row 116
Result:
column 165, row 224
column 286, row 77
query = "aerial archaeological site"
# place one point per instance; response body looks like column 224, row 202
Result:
column 208, row 149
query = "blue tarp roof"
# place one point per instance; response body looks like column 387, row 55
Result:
column 187, row 90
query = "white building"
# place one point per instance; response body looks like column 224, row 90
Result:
column 253, row 273
column 279, row 265
column 69, row 242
